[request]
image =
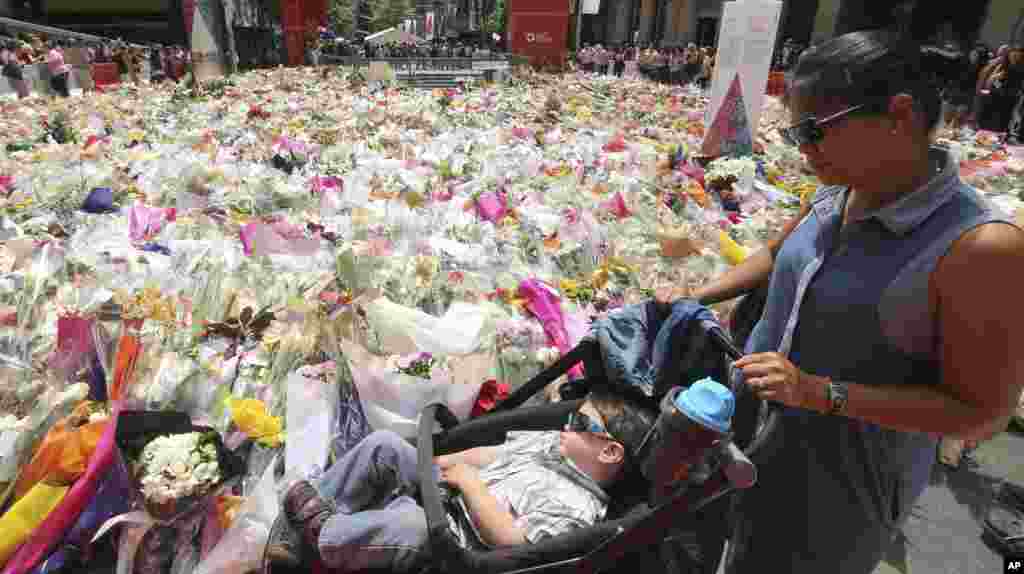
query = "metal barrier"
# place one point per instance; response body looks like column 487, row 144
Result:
column 412, row 65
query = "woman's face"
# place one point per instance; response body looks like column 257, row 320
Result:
column 854, row 147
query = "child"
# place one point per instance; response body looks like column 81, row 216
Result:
column 537, row 485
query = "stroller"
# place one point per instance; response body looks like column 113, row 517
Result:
column 634, row 534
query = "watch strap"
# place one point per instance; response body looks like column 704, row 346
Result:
column 837, row 397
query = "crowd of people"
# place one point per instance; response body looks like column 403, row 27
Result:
column 164, row 62
column 438, row 49
column 673, row 65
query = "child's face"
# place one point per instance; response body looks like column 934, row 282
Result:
column 586, row 448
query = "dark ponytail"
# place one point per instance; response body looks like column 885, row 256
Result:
column 867, row 67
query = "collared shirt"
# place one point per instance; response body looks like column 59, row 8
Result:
column 546, row 493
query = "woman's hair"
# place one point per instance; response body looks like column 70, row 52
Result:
column 868, row 67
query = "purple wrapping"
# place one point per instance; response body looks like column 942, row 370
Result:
column 112, row 498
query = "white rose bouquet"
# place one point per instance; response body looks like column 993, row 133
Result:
column 176, row 467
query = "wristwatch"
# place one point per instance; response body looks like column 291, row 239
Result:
column 837, row 397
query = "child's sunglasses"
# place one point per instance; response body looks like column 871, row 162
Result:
column 579, row 422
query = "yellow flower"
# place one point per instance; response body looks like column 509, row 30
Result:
column 426, row 268
column 569, row 288
column 251, row 417
column 733, row 252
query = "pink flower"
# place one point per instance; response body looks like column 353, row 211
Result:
column 319, row 184
column 571, row 215
column 616, row 205
column 6, row 184
column 617, row 144
column 522, row 133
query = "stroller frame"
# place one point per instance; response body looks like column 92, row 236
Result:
column 595, row 549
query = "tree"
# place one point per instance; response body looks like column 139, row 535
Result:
column 341, row 15
column 496, row 20
column 395, row 11
column 369, row 10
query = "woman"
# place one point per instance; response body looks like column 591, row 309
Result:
column 1003, row 86
column 692, row 64
column 887, row 319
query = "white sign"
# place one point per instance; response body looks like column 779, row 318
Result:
column 492, row 65
column 745, row 45
column 591, row 6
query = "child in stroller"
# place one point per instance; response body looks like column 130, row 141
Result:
column 537, row 485
column 657, row 534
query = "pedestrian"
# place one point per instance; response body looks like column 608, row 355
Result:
column 889, row 317
column 12, row 70
column 59, row 71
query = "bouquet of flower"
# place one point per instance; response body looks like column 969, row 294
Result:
column 175, row 465
column 420, row 365
column 172, row 467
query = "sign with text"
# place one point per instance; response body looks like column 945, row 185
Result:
column 745, row 45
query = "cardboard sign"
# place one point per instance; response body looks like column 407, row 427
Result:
column 745, row 47
column 730, row 134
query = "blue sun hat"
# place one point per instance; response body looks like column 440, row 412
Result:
column 709, row 403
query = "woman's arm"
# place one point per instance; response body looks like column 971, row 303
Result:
column 981, row 333
column 753, row 272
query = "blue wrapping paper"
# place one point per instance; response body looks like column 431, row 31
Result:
column 112, row 498
column 99, row 200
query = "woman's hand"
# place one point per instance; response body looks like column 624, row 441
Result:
column 773, row 377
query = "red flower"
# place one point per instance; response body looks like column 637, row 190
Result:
column 491, row 393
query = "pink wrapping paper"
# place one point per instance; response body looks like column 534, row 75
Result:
column 52, row 530
column 319, row 185
column 74, row 343
column 544, row 304
column 491, row 206
column 283, row 238
column 616, row 205
column 145, row 222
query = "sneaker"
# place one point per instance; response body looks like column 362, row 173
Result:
column 306, row 510
column 1004, row 528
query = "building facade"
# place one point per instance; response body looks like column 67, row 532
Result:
column 677, row 22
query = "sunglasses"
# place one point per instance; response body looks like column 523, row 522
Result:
column 580, row 422
column 810, row 130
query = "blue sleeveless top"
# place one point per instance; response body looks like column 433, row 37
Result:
column 851, row 304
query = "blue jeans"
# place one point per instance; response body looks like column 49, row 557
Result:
column 377, row 523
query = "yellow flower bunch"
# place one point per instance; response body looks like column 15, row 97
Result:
column 148, row 303
column 251, row 417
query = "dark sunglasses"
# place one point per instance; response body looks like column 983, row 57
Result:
column 580, row 422
column 811, row 130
